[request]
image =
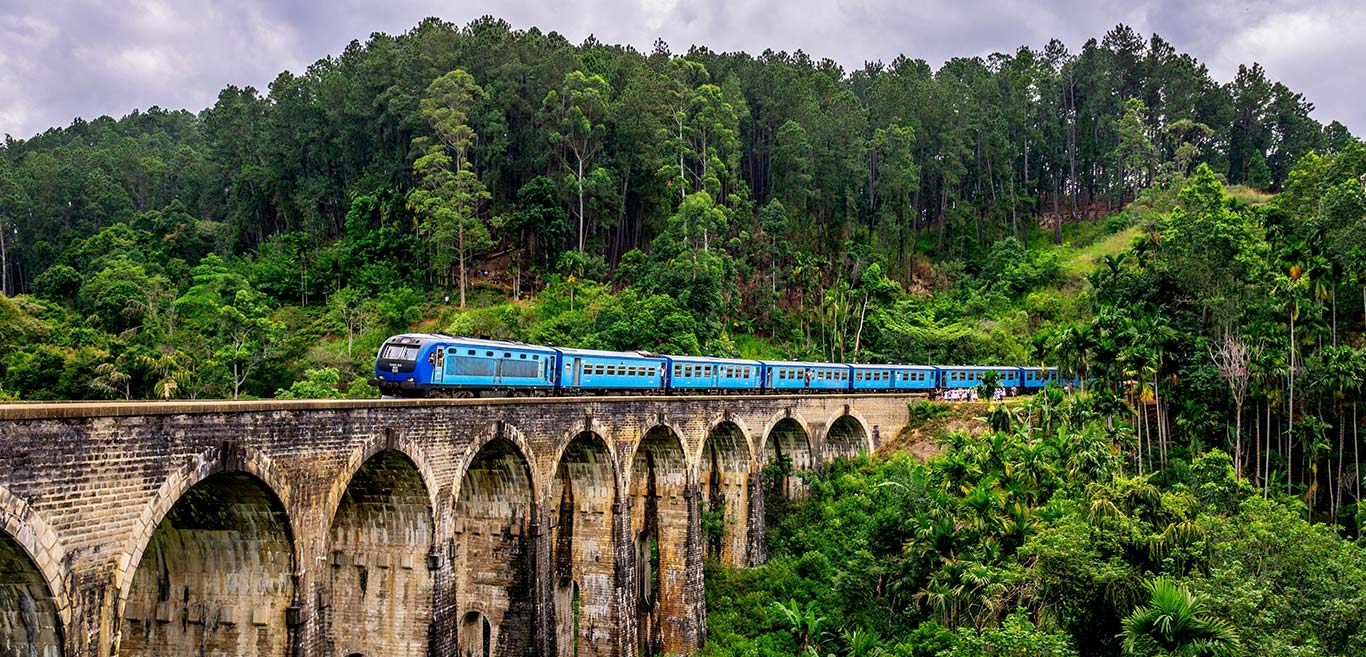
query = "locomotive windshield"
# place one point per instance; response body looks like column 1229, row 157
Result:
column 399, row 352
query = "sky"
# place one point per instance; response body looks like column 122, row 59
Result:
column 60, row 59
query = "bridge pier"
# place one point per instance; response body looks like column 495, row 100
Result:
column 391, row 527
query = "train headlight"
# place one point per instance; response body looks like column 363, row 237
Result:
column 410, row 379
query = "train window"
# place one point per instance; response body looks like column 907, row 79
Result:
column 687, row 371
column 535, row 356
column 470, row 352
column 488, row 353
column 708, row 368
column 612, row 370
column 678, row 370
column 522, row 356
column 601, row 370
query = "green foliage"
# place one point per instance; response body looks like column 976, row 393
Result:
column 1037, row 541
column 1174, row 623
column 316, row 384
column 1016, row 636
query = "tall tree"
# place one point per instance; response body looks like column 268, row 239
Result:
column 577, row 114
column 450, row 195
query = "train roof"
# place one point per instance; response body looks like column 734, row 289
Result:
column 480, row 342
column 978, row 367
column 894, row 366
column 713, row 359
column 601, row 353
column 799, row 363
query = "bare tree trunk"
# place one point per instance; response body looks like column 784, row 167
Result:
column 1257, row 448
column 1356, row 457
column 4, row 262
column 1342, row 455
column 1290, row 399
column 1335, row 315
column 1266, row 472
column 580, row 182
column 460, row 232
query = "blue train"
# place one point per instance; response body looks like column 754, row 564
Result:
column 436, row 365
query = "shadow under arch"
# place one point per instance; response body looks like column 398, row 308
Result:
column 216, row 576
column 33, row 608
column 228, row 458
column 661, row 514
column 787, row 451
column 494, row 511
column 362, row 455
column 847, row 436
column 724, row 468
column 583, row 499
column 380, row 535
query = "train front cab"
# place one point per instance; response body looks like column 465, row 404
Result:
column 401, row 366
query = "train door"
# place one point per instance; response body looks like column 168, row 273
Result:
column 578, row 372
column 439, row 365
column 498, row 369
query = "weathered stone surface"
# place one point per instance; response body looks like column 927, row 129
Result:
column 390, row 527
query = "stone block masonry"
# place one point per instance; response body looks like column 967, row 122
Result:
column 344, row 528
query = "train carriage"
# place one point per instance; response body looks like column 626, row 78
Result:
column 872, row 378
column 591, row 370
column 921, row 378
column 783, row 376
column 971, row 376
column 700, row 373
column 1036, row 378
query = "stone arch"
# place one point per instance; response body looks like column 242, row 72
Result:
column 380, row 535
column 38, row 543
column 230, row 457
column 216, row 576
column 583, row 497
column 33, row 611
column 847, row 436
column 507, row 433
column 724, row 467
column 493, row 545
column 359, row 456
column 661, row 514
column 788, row 439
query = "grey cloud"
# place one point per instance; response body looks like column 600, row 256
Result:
column 64, row 58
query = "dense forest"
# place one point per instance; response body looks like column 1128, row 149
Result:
column 1195, row 250
column 1035, row 538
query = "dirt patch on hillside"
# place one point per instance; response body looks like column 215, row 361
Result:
column 930, row 422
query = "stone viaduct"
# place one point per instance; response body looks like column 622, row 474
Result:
column 392, row 528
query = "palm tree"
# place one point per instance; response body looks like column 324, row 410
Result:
column 1174, row 623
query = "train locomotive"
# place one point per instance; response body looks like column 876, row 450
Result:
column 437, row 365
